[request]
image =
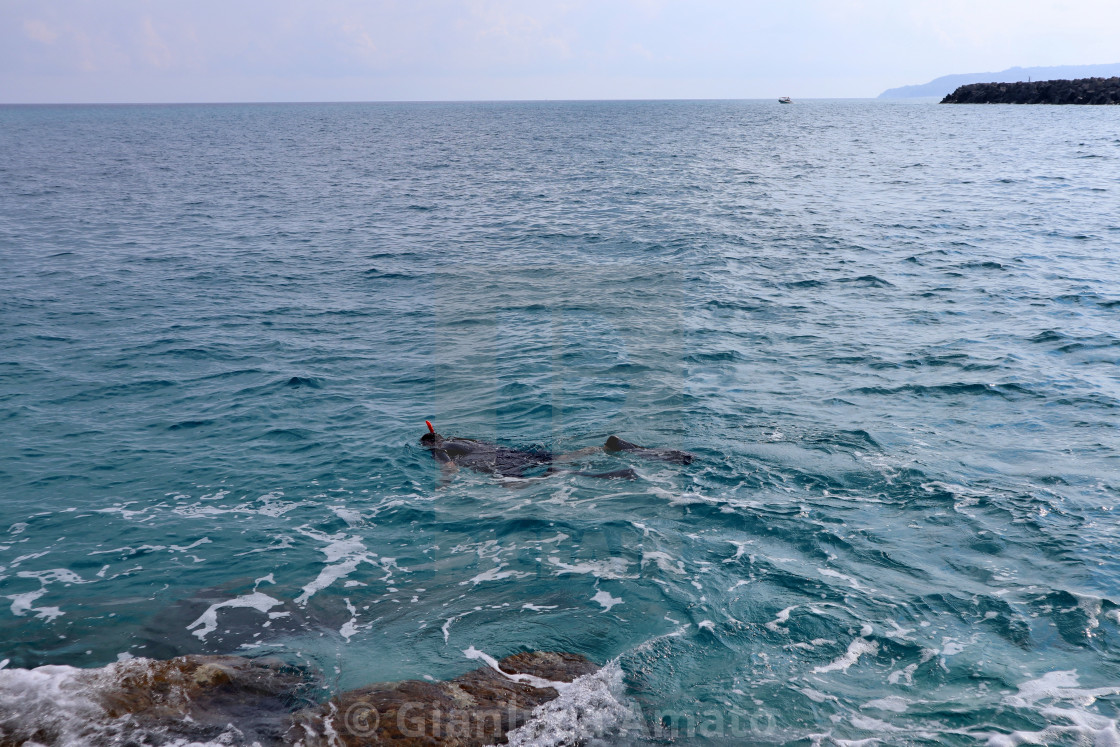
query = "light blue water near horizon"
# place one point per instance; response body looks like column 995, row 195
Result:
column 889, row 332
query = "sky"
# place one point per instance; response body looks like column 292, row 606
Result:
column 147, row 51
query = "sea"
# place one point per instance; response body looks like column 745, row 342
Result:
column 888, row 333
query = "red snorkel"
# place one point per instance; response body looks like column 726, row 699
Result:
column 430, row 428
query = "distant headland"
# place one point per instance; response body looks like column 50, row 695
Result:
column 946, row 84
column 1083, row 91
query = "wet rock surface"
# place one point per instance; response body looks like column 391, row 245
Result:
column 199, row 696
column 477, row 708
column 1082, row 91
column 145, row 701
column 234, row 700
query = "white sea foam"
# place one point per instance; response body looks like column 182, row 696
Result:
column 207, row 622
column 1060, row 685
column 350, row 627
column 905, row 675
column 344, row 554
column 664, row 561
column 1083, row 728
column 61, row 703
column 895, row 703
column 191, row 546
column 446, row 627
column 873, row 724
column 494, row 574
column 560, row 537
column 484, row 549
column 690, row 499
column 532, row 680
column 285, row 542
column 588, row 708
column 125, row 512
column 611, row 568
column 783, row 617
column 53, row 699
column 350, row 516
column 847, row 579
column 1075, row 724
column 815, row 695
column 740, row 550
column 592, row 709
column 54, row 575
column 269, row 504
column 951, row 647
column 24, row 603
column 604, row 598
column 856, row 648
column 898, row 632
column 29, row 556
column 1091, row 606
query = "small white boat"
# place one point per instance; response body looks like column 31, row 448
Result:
column 785, row 100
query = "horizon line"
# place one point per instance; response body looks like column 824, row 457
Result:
column 423, row 101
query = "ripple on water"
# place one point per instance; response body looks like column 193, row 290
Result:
column 899, row 522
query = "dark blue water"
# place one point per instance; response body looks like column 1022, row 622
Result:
column 888, row 332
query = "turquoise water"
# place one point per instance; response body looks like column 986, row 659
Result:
column 888, row 332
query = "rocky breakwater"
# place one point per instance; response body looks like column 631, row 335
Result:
column 233, row 700
column 1081, row 91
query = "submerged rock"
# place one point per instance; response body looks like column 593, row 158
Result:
column 229, row 617
column 1081, row 91
column 234, row 700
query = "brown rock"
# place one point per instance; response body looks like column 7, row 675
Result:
column 208, row 698
column 194, row 685
column 190, row 698
column 477, row 708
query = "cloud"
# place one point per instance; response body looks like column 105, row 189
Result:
column 39, row 31
column 467, row 49
column 361, row 42
column 156, row 51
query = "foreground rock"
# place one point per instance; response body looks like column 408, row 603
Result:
column 1082, row 91
column 142, row 701
column 234, row 700
column 475, row 709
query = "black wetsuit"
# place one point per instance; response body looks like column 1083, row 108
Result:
column 507, row 462
column 616, row 444
column 487, row 457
